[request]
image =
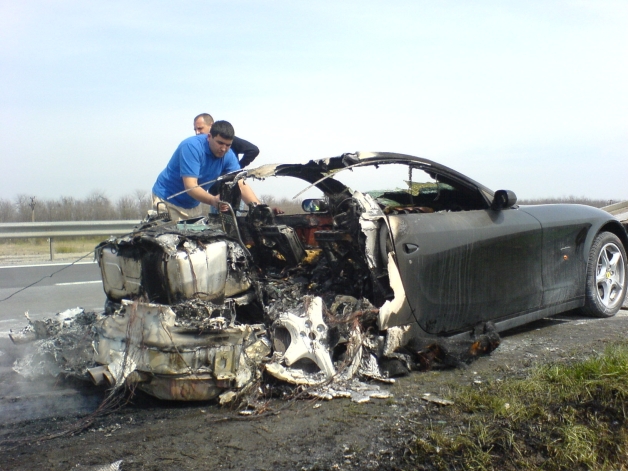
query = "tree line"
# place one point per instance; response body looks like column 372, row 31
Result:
column 596, row 203
column 95, row 207
column 98, row 207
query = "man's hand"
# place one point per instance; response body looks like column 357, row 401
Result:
column 213, row 200
column 219, row 205
column 200, row 194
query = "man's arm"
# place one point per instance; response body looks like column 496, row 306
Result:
column 246, row 149
column 198, row 193
column 248, row 195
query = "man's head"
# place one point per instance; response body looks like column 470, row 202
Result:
column 202, row 123
column 220, row 138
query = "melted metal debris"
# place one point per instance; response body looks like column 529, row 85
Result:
column 354, row 389
column 63, row 345
column 437, row 400
column 115, row 466
column 331, row 350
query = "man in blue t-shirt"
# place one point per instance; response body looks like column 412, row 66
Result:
column 197, row 160
column 203, row 123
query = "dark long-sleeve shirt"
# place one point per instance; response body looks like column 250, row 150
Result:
column 245, row 149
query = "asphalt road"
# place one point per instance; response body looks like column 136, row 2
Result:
column 58, row 286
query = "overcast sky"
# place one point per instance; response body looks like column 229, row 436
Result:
column 528, row 96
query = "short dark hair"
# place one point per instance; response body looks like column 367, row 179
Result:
column 222, row 129
column 206, row 117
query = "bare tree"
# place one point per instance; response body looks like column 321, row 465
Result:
column 289, row 206
column 597, row 203
column 23, row 210
column 144, row 202
column 126, row 208
column 67, row 209
column 268, row 199
column 7, row 211
column 52, row 210
column 97, row 207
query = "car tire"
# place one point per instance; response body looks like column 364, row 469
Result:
column 605, row 289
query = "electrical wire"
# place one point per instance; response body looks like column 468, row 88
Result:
column 47, row 276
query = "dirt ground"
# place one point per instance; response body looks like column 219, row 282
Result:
column 147, row 434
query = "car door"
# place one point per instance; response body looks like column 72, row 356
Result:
column 565, row 229
column 466, row 267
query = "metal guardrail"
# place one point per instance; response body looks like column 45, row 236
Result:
column 19, row 230
column 619, row 210
column 50, row 230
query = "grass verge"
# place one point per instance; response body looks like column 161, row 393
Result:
column 41, row 246
column 563, row 416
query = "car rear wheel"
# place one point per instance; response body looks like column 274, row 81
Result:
column 606, row 276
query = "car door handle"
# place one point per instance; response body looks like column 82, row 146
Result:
column 410, row 248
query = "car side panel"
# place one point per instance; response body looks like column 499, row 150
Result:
column 462, row 268
column 566, row 229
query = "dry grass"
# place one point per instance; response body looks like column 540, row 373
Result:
column 40, row 246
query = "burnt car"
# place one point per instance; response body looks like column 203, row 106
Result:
column 392, row 255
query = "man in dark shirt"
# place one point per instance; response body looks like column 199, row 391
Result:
column 244, row 150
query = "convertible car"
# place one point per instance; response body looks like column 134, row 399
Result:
column 390, row 256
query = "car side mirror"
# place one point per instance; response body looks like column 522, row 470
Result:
column 503, row 199
column 314, row 205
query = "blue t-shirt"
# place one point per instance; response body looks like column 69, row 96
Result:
column 192, row 159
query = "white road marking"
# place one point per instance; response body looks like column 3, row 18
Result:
column 78, row 283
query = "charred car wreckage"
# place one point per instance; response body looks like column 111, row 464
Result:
column 427, row 268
